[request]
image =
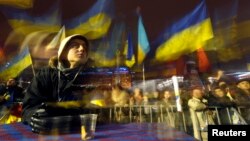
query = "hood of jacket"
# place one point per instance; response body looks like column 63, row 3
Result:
column 64, row 43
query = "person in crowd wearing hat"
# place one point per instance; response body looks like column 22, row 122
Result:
column 242, row 92
column 242, row 97
column 57, row 83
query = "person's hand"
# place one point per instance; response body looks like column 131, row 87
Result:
column 38, row 121
column 51, row 120
column 7, row 97
column 204, row 101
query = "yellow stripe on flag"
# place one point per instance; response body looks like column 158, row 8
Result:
column 94, row 28
column 23, row 4
column 16, row 69
column 186, row 41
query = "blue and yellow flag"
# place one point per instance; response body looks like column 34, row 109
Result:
column 129, row 51
column 24, row 21
column 107, row 52
column 15, row 66
column 22, row 4
column 143, row 44
column 94, row 23
column 98, row 53
column 186, row 35
column 115, row 40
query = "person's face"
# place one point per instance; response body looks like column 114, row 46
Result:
column 138, row 94
column 77, row 53
column 145, row 98
column 220, row 72
column 11, row 82
column 156, row 94
column 197, row 93
column 137, row 91
column 219, row 92
column 167, row 94
column 244, row 85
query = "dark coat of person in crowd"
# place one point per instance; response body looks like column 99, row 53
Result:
column 220, row 99
column 222, row 102
column 242, row 98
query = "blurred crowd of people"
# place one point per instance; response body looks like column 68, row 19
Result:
column 11, row 96
column 221, row 98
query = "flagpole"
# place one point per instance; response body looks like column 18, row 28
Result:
column 33, row 69
column 143, row 78
column 32, row 66
column 117, row 81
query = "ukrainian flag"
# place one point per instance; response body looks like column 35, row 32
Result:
column 15, row 66
column 116, row 40
column 94, row 23
column 107, row 53
column 99, row 54
column 129, row 51
column 186, row 35
column 22, row 21
column 143, row 44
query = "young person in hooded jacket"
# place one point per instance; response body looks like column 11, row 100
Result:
column 56, row 84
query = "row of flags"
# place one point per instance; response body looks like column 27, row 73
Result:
column 185, row 36
column 29, row 31
column 93, row 24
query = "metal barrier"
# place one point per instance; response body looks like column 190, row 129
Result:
column 148, row 113
column 214, row 115
column 231, row 115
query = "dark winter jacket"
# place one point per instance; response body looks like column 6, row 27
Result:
column 44, row 88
